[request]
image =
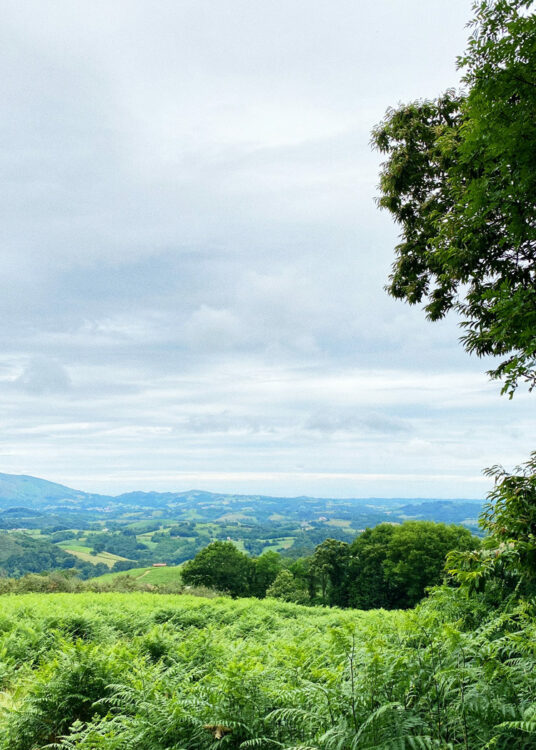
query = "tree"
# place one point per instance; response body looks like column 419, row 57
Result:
column 460, row 180
column 265, row 571
column 330, row 561
column 305, row 573
column 221, row 566
column 392, row 566
column 511, row 511
column 98, row 545
column 416, row 556
column 288, row 588
column 368, row 588
column 509, row 554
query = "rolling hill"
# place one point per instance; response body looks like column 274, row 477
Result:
column 41, row 495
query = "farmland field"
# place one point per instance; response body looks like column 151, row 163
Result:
column 156, row 576
column 84, row 553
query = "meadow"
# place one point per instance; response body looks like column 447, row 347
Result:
column 83, row 553
column 154, row 576
column 142, row 671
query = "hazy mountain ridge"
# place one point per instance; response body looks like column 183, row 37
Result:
column 33, row 493
column 22, row 489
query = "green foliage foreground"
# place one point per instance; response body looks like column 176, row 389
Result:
column 145, row 672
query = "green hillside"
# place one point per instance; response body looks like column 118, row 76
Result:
column 151, row 672
column 148, row 575
column 83, row 552
column 21, row 553
column 19, row 489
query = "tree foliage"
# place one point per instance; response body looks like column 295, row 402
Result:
column 266, row 568
column 392, row 566
column 288, row 588
column 221, row 566
column 389, row 566
column 330, row 564
column 507, row 562
column 460, row 181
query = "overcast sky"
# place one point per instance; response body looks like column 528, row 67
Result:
column 193, row 264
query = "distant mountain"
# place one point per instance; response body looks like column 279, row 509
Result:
column 19, row 489
column 41, row 495
column 162, row 499
column 173, row 526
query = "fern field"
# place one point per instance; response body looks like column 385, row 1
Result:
column 146, row 672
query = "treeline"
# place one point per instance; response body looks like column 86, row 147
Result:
column 389, row 566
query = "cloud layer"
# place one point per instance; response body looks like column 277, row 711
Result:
column 193, row 264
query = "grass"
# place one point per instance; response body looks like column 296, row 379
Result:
column 149, row 575
column 70, row 544
column 276, row 545
column 84, row 553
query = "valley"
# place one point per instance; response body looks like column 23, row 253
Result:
column 100, row 534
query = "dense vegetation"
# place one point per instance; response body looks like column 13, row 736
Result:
column 139, row 672
column 389, row 566
column 21, row 553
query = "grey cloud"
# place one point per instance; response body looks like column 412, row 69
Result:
column 239, row 419
column 193, row 264
column 214, row 329
column 224, row 422
column 360, row 421
column 42, row 376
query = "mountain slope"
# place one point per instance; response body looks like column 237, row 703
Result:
column 20, row 553
column 19, row 489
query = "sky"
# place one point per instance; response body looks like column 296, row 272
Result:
column 193, row 265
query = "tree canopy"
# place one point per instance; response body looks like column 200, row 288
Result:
column 392, row 566
column 460, row 180
column 389, row 566
column 221, row 566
